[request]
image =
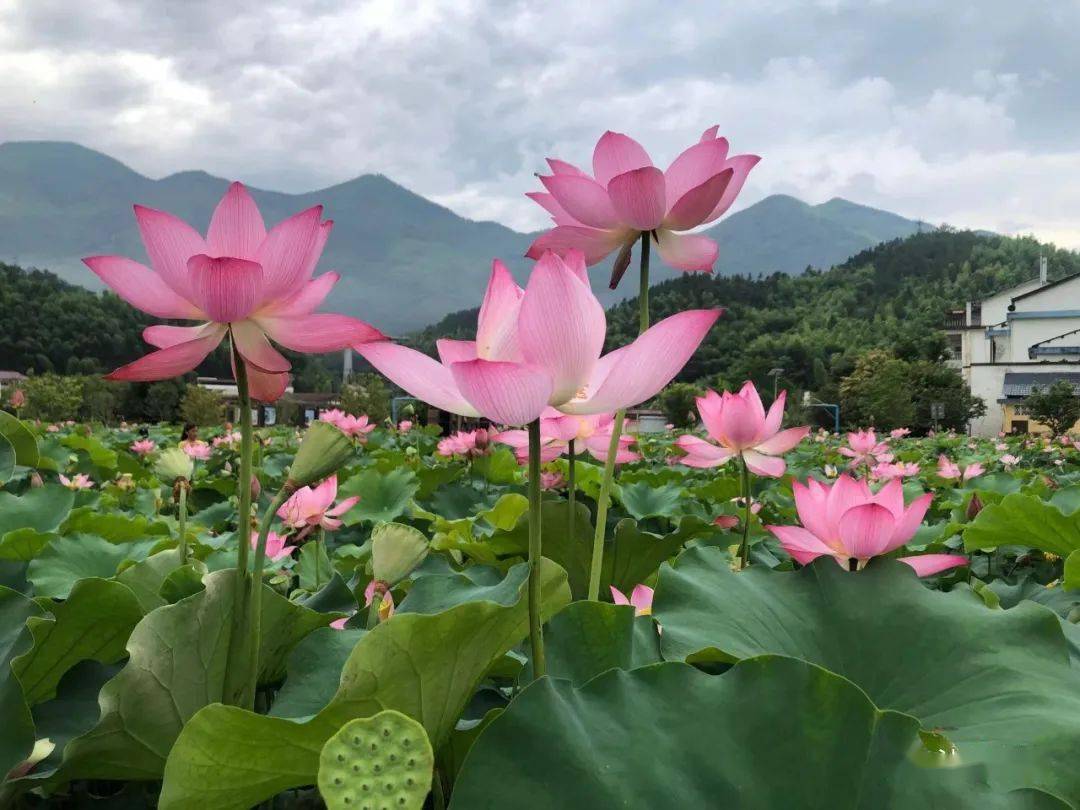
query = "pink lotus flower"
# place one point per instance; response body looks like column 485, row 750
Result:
column 405, row 425
column 641, row 598
column 1008, row 461
column 77, row 482
column 552, row 480
column 471, row 444
column 591, row 433
column 628, row 196
column 18, row 398
column 541, row 347
column 864, row 448
column 741, row 427
column 53, row 428
column 899, row 433
column 242, row 280
column 198, row 449
column 352, row 426
column 950, row 470
column 885, row 470
column 308, row 508
column 851, row 524
column 339, row 624
column 228, row 439
column 143, row 447
column 726, row 521
column 277, row 546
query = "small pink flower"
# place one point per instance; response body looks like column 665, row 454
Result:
column 591, row 433
column 899, row 433
column 18, row 398
column 949, row 470
column 197, row 450
column 79, row 481
column 864, row 448
column 357, row 427
column 228, row 439
column 143, row 447
column 53, row 428
column 851, row 524
column 740, row 426
column 641, row 598
column 404, row 426
column 471, row 444
column 1008, row 461
column 276, row 545
column 552, row 480
column 308, row 508
column 339, row 624
column 726, row 521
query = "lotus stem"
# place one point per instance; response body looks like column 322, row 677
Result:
column 320, row 539
column 181, row 508
column 536, row 633
column 744, row 546
column 597, row 562
column 235, row 689
column 255, row 601
column 571, row 490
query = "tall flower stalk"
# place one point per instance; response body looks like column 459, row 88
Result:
column 597, row 562
column 744, row 546
column 536, row 633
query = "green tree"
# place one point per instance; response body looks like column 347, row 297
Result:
column 1055, row 406
column 677, row 403
column 53, row 398
column 101, row 399
column 877, row 392
column 201, row 406
column 366, row 393
column 935, row 382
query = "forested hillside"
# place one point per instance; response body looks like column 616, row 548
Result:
column 814, row 325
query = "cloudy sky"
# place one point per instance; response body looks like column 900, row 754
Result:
column 958, row 111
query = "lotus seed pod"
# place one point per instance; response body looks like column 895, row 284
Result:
column 323, row 450
column 172, row 464
column 383, row 762
column 396, row 550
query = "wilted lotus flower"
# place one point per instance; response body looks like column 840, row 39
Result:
column 242, row 280
column 740, row 426
column 77, row 482
column 851, row 524
column 143, row 447
column 377, row 589
column 541, row 347
column 641, row 598
column 277, row 546
column 628, row 196
column 310, row 508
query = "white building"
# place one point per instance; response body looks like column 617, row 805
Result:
column 1024, row 337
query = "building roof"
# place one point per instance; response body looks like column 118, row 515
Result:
column 11, row 375
column 1020, row 383
column 1042, row 289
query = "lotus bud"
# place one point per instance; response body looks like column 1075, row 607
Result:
column 172, row 464
column 35, row 480
column 396, row 550
column 483, row 440
column 323, row 450
column 975, row 505
column 256, row 488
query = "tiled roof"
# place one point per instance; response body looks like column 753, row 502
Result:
column 1020, row 383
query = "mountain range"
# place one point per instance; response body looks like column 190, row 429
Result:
column 405, row 261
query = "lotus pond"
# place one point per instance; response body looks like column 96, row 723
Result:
column 393, row 665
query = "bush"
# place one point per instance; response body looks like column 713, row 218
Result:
column 677, row 403
column 1055, row 406
column 201, row 406
column 366, row 393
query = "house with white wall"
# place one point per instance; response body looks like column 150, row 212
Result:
column 1016, row 340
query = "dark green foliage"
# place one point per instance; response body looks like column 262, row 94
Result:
column 1056, row 406
column 677, row 401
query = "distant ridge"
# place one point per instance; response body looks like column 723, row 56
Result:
column 405, row 261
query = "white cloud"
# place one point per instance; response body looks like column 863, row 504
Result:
column 908, row 106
